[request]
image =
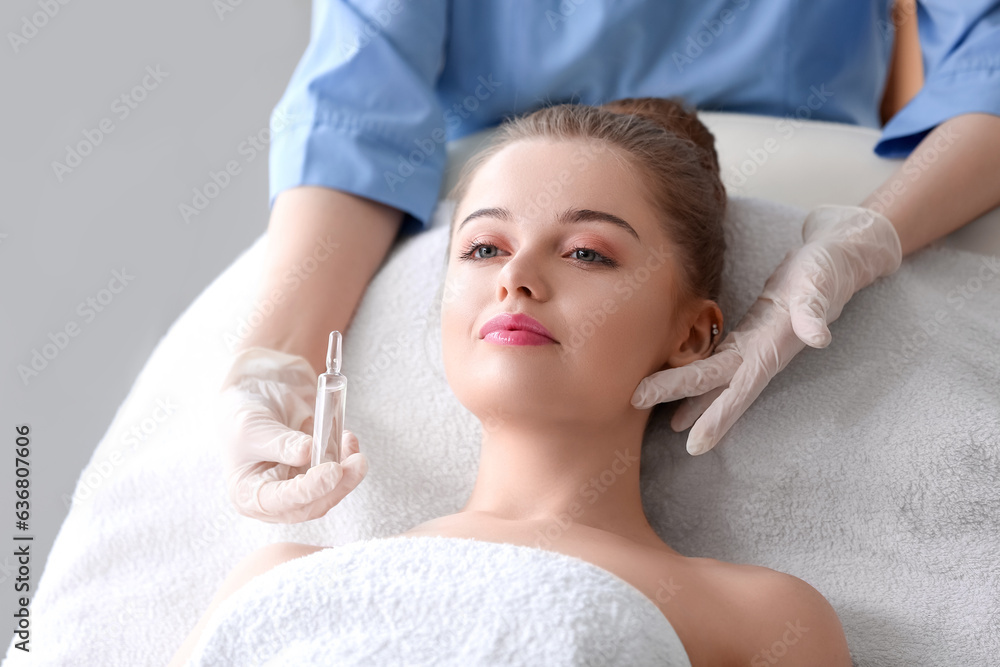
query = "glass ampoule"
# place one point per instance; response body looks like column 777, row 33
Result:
column 331, row 396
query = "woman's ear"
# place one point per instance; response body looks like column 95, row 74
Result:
column 696, row 340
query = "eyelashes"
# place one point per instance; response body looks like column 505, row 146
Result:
column 470, row 255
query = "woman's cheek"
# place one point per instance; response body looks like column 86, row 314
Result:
column 456, row 288
column 462, row 302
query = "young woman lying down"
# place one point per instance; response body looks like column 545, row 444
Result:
column 585, row 254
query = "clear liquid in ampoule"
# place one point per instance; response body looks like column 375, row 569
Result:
column 331, row 397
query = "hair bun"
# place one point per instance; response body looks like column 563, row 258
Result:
column 673, row 115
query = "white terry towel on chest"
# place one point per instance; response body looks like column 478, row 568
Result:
column 438, row 601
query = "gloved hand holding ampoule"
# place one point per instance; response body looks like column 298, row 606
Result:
column 263, row 408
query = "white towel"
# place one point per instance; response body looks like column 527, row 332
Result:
column 438, row 601
column 868, row 468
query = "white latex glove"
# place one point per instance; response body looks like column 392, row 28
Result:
column 845, row 249
column 266, row 398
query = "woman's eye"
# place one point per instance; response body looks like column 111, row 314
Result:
column 482, row 246
column 590, row 256
column 599, row 258
column 587, row 250
column 470, row 252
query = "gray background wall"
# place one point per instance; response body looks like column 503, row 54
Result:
column 220, row 74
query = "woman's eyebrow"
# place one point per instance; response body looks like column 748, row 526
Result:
column 566, row 217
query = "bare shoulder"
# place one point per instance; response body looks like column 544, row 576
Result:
column 276, row 553
column 777, row 616
column 262, row 560
column 266, row 558
column 279, row 552
column 258, row 562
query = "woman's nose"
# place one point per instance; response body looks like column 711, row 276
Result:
column 522, row 273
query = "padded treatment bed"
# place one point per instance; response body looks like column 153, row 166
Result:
column 869, row 468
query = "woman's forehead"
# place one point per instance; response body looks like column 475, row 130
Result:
column 532, row 177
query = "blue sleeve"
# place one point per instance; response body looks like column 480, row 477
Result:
column 960, row 42
column 360, row 113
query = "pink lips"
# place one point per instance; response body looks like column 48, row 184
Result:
column 515, row 329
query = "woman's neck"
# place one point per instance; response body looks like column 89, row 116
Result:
column 559, row 476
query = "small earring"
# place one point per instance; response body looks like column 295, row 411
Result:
column 715, row 329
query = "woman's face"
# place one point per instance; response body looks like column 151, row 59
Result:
column 558, row 231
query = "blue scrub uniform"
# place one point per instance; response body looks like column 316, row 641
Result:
column 384, row 84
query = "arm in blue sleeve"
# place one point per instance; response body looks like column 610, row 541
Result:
column 360, row 113
column 961, row 53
